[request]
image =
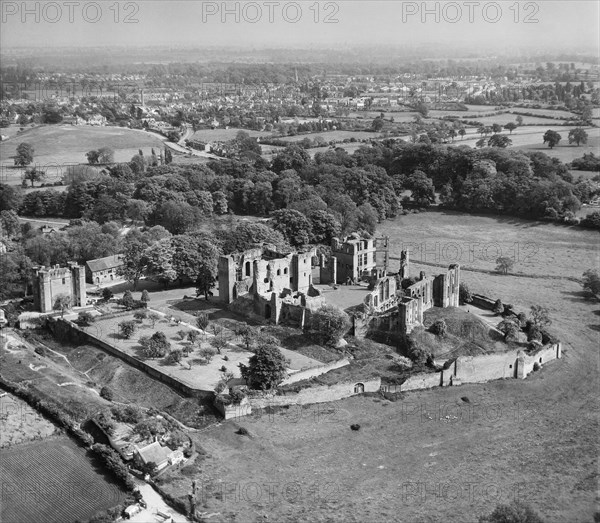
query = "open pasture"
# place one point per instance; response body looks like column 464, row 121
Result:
column 223, row 135
column 329, row 136
column 20, row 423
column 58, row 144
column 53, row 481
column 538, row 248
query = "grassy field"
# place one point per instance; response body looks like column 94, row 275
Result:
column 331, row 136
column 223, row 135
column 537, row 248
column 53, row 481
column 20, row 423
column 533, row 439
column 67, row 144
column 563, row 151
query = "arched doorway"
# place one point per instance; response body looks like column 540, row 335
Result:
column 359, row 388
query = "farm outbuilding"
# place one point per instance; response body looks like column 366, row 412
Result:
column 104, row 270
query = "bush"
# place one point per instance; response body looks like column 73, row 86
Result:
column 516, row 512
column 498, row 308
column 193, row 336
column 85, row 319
column 140, row 315
column 156, row 346
column 106, row 393
column 182, row 334
column 355, row 426
column 40, row 350
column 127, row 328
column 439, row 328
column 112, row 461
column 127, row 300
column 330, row 323
column 464, row 294
column 174, row 357
column 202, row 321
column 145, row 296
column 127, row 414
column 107, row 294
column 242, row 431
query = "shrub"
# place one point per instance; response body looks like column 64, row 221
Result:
column 127, row 300
column 105, row 422
column 112, row 461
column 330, row 323
column 207, row 353
column 127, row 328
column 182, row 334
column 498, row 308
column 174, row 357
column 145, row 296
column 127, row 414
column 156, row 346
column 439, row 328
column 106, row 393
column 236, row 395
column 84, row 319
column 107, row 294
column 153, row 317
column 355, row 426
column 242, row 431
column 464, row 294
column 40, row 350
column 534, row 333
column 140, row 315
column 193, row 336
column 202, row 321
column 516, row 512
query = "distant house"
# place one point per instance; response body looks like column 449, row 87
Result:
column 156, row 453
column 103, row 270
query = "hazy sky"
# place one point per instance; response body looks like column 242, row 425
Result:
column 556, row 25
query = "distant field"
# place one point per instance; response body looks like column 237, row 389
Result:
column 564, row 151
column 505, row 118
column 531, row 138
column 53, row 481
column 223, row 135
column 57, row 144
column 476, row 241
column 332, row 136
column 565, row 115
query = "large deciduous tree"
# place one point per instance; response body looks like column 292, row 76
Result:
column 552, row 138
column 266, row 368
column 24, row 154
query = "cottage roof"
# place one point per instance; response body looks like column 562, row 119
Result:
column 108, row 262
column 154, row 452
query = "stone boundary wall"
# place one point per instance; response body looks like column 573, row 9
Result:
column 317, row 394
column 68, row 329
column 514, row 364
column 314, row 371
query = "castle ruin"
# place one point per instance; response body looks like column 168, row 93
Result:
column 49, row 283
column 279, row 284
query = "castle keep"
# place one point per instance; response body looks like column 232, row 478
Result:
column 279, row 284
column 49, row 283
